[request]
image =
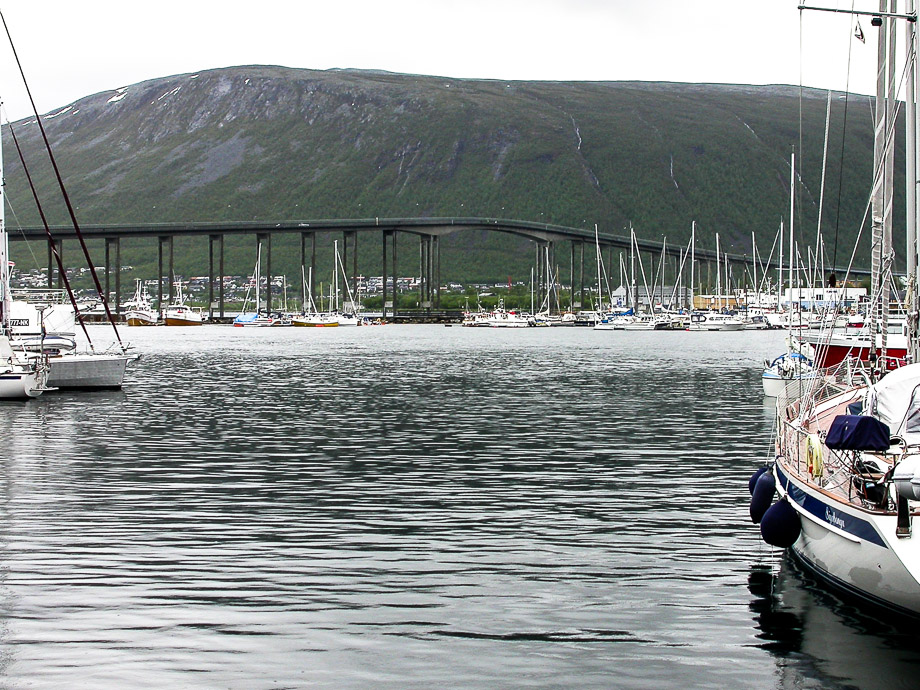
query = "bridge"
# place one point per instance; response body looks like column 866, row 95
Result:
column 428, row 230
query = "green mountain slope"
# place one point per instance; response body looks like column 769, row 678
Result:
column 259, row 142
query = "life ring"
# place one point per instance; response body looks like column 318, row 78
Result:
column 814, row 456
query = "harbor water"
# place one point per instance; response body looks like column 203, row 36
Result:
column 413, row 507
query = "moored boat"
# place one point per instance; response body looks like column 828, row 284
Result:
column 139, row 310
column 847, row 473
column 846, row 467
column 179, row 313
column 789, row 375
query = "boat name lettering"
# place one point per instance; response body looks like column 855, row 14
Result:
column 19, row 322
column 832, row 517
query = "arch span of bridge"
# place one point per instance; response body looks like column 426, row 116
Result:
column 429, row 231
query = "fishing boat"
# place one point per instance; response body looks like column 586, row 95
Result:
column 501, row 318
column 179, row 313
column 846, row 471
column 140, row 312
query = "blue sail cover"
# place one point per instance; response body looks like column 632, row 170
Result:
column 856, row 432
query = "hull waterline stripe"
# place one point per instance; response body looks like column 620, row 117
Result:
column 827, row 516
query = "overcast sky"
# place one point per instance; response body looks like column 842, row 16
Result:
column 73, row 49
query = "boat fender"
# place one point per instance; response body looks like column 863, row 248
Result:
column 814, row 456
column 781, row 525
column 754, row 477
column 762, row 496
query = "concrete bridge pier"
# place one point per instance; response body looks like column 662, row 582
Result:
column 110, row 243
column 217, row 240
column 164, row 241
column 55, row 246
column 390, row 299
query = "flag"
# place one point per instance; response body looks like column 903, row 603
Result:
column 860, row 36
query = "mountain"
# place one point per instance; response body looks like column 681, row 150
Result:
column 275, row 143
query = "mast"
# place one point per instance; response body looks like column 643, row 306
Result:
column 692, row 260
column 597, row 250
column 258, row 277
column 779, row 282
column 912, row 141
column 634, row 288
column 792, row 224
column 6, row 301
column 718, row 273
column 890, row 120
column 335, row 277
column 754, row 268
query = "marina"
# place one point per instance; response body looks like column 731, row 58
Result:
column 563, row 528
column 551, row 495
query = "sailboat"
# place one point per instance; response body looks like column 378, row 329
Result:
column 140, row 312
column 310, row 316
column 255, row 318
column 847, row 454
column 51, row 322
column 349, row 316
column 20, row 376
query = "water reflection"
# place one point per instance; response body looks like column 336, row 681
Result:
column 820, row 640
column 454, row 507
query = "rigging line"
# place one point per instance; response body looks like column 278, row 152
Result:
column 819, row 242
column 843, row 136
column 60, row 181
column 62, row 272
column 21, row 233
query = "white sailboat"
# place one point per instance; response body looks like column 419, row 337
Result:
column 310, row 316
column 256, row 319
column 20, row 376
column 347, row 315
column 847, row 454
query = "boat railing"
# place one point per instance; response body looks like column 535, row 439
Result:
column 836, row 468
column 40, row 295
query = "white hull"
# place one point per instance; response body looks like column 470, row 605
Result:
column 20, row 385
column 787, row 388
column 856, row 550
column 717, row 326
column 88, row 371
column 317, row 320
column 508, row 324
column 141, row 317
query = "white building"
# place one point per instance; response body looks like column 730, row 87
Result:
column 821, row 297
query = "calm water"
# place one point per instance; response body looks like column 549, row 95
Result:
column 413, row 506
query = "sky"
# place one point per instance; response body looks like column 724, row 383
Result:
column 73, row 49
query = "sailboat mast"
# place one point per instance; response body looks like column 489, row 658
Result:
column 718, row 273
column 912, row 139
column 692, row 260
column 6, row 300
column 792, row 223
column 779, row 282
column 335, row 276
column 258, row 277
column 754, row 267
column 634, row 288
